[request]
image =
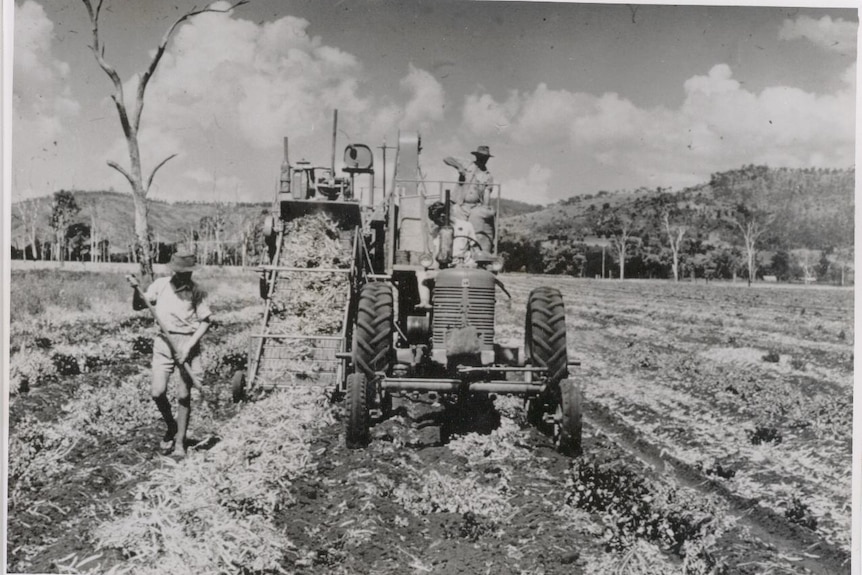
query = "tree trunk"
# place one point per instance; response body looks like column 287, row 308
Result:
column 143, row 253
column 750, row 265
column 37, row 249
column 622, row 253
column 94, row 239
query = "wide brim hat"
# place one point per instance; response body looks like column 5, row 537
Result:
column 183, row 262
column 482, row 151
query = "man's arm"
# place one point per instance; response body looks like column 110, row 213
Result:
column 186, row 348
column 462, row 177
column 138, row 302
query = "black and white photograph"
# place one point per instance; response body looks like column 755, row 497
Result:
column 429, row 287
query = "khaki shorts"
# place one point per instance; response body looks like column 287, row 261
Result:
column 163, row 360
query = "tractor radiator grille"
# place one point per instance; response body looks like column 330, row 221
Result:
column 456, row 307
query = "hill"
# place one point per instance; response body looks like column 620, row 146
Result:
column 805, row 218
column 808, row 208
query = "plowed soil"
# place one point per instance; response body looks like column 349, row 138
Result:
column 717, row 440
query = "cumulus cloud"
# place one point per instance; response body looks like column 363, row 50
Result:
column 258, row 82
column 533, row 188
column 42, row 98
column 720, row 125
column 483, row 116
column 427, row 99
column 234, row 87
column 838, row 35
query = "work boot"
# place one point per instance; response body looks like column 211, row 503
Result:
column 167, row 444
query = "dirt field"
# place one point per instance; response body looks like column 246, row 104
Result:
column 718, row 440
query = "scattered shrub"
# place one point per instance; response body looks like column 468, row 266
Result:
column 764, row 434
column 143, row 345
column 797, row 363
column 66, row 364
column 43, row 342
column 717, row 469
column 634, row 507
column 798, row 512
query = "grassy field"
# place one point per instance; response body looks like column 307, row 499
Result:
column 709, row 408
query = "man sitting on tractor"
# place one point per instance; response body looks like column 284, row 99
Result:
column 473, row 198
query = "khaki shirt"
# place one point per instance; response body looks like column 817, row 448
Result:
column 476, row 183
column 178, row 314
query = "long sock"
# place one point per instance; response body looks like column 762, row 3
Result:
column 183, row 411
column 165, row 409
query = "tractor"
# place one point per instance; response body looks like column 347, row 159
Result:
column 448, row 348
column 392, row 340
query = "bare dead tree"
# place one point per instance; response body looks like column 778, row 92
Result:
column 622, row 227
column 29, row 211
column 131, row 123
column 675, row 235
column 753, row 224
column 806, row 261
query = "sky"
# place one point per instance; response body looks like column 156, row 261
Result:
column 570, row 98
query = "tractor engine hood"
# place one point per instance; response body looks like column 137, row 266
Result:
column 464, row 304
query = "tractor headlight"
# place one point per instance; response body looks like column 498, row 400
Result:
column 426, row 260
column 497, row 264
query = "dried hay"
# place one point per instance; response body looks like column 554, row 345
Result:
column 434, row 492
column 307, row 303
column 311, row 302
column 38, row 450
column 214, row 512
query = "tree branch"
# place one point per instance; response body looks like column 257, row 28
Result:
column 120, row 169
column 153, row 173
column 151, row 69
column 99, row 51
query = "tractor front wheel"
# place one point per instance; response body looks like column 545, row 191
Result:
column 237, row 386
column 568, row 419
column 358, row 392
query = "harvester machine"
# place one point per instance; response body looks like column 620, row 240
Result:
column 313, row 238
column 414, row 301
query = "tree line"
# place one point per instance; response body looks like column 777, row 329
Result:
column 69, row 226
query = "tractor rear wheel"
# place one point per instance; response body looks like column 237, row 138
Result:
column 545, row 346
column 358, row 393
column 568, row 419
column 372, row 335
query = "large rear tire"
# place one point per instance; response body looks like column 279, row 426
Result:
column 372, row 336
column 545, row 333
column 545, row 346
column 568, row 420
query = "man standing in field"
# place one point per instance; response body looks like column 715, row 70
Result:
column 473, row 199
column 181, row 307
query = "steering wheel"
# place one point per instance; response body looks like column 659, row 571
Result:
column 474, row 242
